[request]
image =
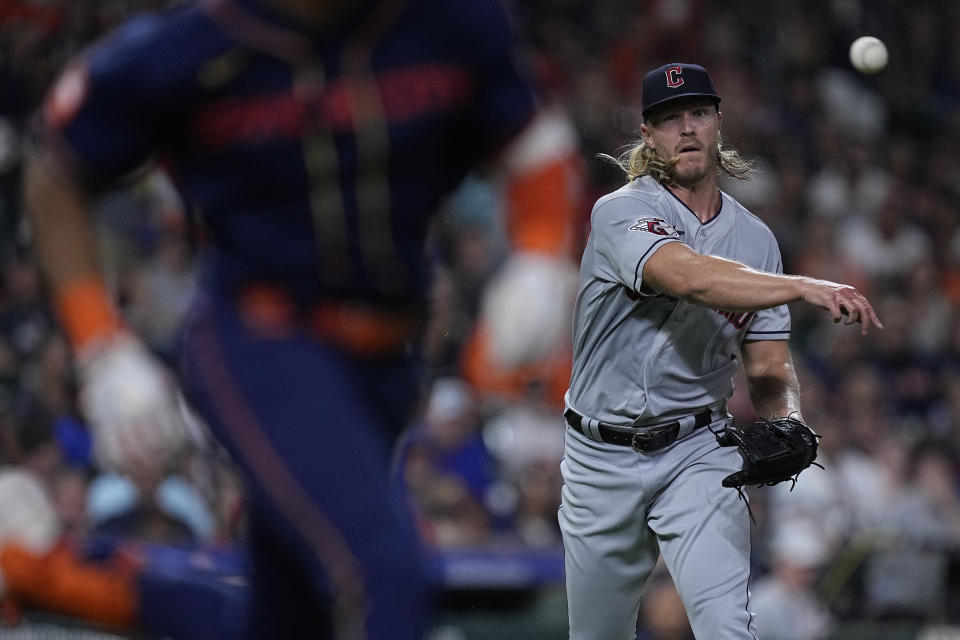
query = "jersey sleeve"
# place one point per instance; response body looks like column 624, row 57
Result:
column 773, row 323
column 103, row 109
column 625, row 232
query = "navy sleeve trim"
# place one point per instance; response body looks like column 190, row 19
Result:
column 766, row 335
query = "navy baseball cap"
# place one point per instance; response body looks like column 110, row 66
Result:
column 675, row 80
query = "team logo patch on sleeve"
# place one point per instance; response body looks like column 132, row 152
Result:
column 658, row 226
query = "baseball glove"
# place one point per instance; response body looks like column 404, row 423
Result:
column 773, row 451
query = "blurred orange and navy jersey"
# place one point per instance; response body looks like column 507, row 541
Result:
column 363, row 132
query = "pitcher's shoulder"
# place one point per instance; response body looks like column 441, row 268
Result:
column 630, row 195
column 746, row 220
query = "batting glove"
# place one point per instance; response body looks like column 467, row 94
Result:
column 132, row 404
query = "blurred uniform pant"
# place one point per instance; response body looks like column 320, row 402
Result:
column 333, row 548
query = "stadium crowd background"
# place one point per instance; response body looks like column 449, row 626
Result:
column 859, row 177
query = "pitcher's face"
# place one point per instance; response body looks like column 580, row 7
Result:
column 688, row 130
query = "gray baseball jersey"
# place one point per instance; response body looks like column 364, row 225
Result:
column 639, row 354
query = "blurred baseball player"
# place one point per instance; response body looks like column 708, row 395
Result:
column 314, row 140
column 678, row 283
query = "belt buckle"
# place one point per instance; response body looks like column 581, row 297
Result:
column 641, row 441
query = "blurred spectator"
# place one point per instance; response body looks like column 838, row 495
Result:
column 951, row 405
column 911, row 377
column 851, row 184
column 863, row 391
column 52, row 378
column 925, row 513
column 846, row 498
column 451, row 516
column 470, row 243
column 10, row 371
column 161, row 290
column 907, row 574
column 48, row 384
column 447, row 469
column 887, row 245
column 38, row 450
column 662, row 616
column 131, row 224
column 784, row 601
column 69, row 494
column 50, row 448
column 538, row 498
column 952, row 270
column 931, row 313
column 159, row 510
column 25, row 320
column 522, row 434
column 820, row 254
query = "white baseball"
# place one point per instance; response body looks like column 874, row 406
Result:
column 868, row 54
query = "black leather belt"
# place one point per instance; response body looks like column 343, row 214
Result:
column 646, row 440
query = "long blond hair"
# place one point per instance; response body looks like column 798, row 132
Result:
column 641, row 160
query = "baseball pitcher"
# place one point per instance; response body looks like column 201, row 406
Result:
column 678, row 284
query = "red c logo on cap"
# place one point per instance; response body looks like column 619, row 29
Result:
column 673, row 77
